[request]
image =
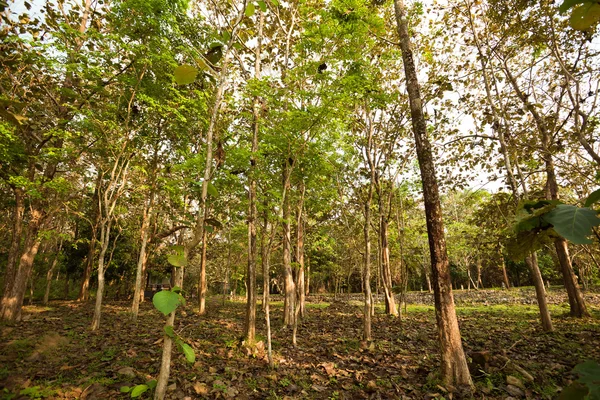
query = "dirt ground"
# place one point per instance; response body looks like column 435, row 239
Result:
column 53, row 354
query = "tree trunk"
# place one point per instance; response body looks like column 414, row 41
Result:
column 51, row 272
column 145, row 235
column 386, row 274
column 454, row 370
column 202, row 287
column 367, row 267
column 84, row 290
column 12, row 299
column 540, row 292
column 503, row 132
column 165, row 363
column 307, row 286
column 105, row 228
column 290, row 287
column 300, row 254
column 576, row 301
column 252, row 210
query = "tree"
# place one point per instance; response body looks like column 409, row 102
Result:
column 454, row 364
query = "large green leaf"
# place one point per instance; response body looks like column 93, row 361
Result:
column 592, row 198
column 138, row 390
column 177, row 260
column 250, row 10
column 573, row 223
column 212, row 190
column 169, row 331
column 185, row 74
column 166, row 301
column 589, row 375
column 584, row 16
column 187, row 350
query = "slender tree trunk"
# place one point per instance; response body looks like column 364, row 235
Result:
column 454, row 370
column 202, row 287
column 252, row 211
column 104, row 242
column 300, row 254
column 165, row 364
column 290, row 287
column 386, row 274
column 84, row 291
column 51, row 272
column 367, row 267
column 265, row 265
column 503, row 132
column 307, row 286
column 540, row 292
column 576, row 301
column 145, row 235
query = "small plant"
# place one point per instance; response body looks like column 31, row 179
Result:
column 35, row 392
column 137, row 390
column 285, row 382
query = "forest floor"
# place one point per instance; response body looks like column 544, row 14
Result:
column 53, row 354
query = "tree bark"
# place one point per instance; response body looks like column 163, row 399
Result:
column 301, row 295
column 290, row 287
column 202, row 286
column 145, row 235
column 12, row 299
column 454, row 370
column 252, row 209
column 165, row 363
column 51, row 272
column 386, row 274
column 367, row 267
column 84, row 290
column 540, row 292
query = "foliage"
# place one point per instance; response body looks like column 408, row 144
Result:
column 587, row 386
column 539, row 221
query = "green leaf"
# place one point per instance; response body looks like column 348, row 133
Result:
column 178, row 249
column 573, row 223
column 592, row 198
column 185, row 74
column 570, row 3
column 166, row 301
column 176, row 289
column 151, row 383
column 212, row 190
column 169, row 331
column 584, row 16
column 589, row 375
column 189, row 353
column 250, row 10
column 177, row 260
column 225, row 36
column 209, row 228
column 575, row 391
column 275, row 2
column 262, row 5
column 138, row 390
column 125, row 389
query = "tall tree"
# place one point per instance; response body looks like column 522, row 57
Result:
column 454, row 364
